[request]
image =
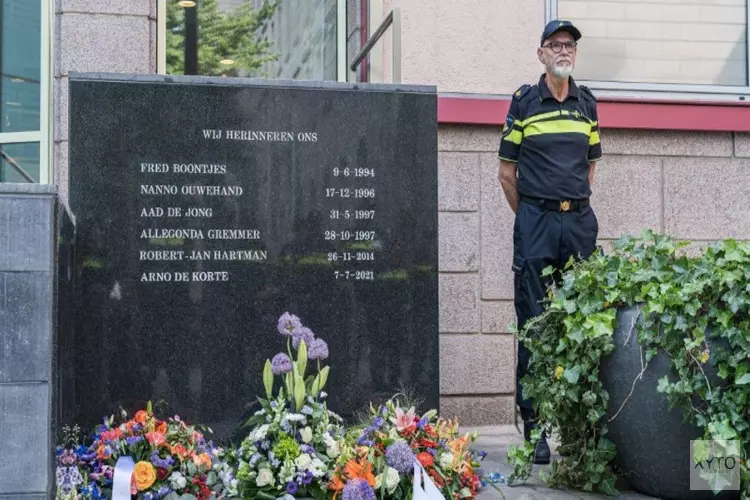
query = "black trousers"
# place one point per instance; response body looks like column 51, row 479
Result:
column 541, row 238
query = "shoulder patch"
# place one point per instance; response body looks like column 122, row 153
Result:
column 522, row 91
column 508, row 127
column 587, row 92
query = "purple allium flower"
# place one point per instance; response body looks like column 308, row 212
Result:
column 305, row 334
column 422, row 422
column 281, row 364
column 291, row 487
column 378, row 422
column 358, row 489
column 400, row 457
column 288, row 324
column 318, row 350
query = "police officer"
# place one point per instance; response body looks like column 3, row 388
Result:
column 548, row 152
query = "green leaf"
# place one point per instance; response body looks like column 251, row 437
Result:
column 268, row 379
column 576, row 335
column 302, row 358
column 572, row 374
column 608, row 486
column 323, row 377
column 745, row 379
column 299, row 391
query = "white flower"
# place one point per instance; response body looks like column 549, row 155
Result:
column 287, row 471
column 391, row 479
column 306, row 434
column 260, row 433
column 265, row 478
column 332, row 450
column 296, row 417
column 303, row 461
column 446, row 460
column 177, row 481
column 317, row 467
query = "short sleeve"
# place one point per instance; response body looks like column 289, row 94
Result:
column 512, row 135
column 595, row 143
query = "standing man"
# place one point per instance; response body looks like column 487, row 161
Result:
column 548, row 152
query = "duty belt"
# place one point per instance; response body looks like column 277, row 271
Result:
column 558, row 205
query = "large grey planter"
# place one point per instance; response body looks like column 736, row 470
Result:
column 653, row 444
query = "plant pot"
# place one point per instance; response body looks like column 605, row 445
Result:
column 653, row 443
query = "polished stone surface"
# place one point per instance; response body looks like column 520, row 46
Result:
column 653, row 444
column 302, row 154
column 37, row 238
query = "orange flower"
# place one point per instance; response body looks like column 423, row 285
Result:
column 161, row 427
column 144, row 475
column 141, row 417
column 426, row 459
column 202, row 459
column 180, row 451
column 102, row 453
column 356, row 469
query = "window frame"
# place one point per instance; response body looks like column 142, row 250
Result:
column 43, row 136
column 670, row 91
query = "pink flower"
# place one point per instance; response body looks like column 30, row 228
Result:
column 403, row 420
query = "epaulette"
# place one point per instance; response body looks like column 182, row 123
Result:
column 587, row 92
column 522, row 91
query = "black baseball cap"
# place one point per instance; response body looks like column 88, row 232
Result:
column 560, row 25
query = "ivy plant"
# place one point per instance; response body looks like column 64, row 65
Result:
column 694, row 307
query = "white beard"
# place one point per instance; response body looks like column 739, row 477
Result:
column 562, row 71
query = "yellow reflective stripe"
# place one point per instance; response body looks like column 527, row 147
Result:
column 558, row 127
column 515, row 136
column 594, row 138
column 534, row 118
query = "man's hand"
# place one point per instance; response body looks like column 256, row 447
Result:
column 507, row 177
column 592, row 169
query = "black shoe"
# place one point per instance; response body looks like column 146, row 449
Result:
column 542, row 452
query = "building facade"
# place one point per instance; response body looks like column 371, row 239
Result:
column 671, row 79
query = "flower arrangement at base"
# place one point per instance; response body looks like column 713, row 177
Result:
column 172, row 461
column 294, row 438
column 378, row 459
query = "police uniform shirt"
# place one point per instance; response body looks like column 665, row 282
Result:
column 552, row 142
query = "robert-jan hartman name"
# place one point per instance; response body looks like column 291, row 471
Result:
column 223, row 255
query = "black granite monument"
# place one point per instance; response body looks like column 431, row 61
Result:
column 206, row 208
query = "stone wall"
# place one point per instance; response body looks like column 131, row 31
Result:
column 36, row 280
column 690, row 185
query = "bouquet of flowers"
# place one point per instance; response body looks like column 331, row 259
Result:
column 379, row 459
column 294, row 437
column 172, row 461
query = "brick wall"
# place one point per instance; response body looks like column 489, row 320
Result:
column 691, row 185
column 677, row 41
column 107, row 36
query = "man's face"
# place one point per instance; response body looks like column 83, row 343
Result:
column 558, row 54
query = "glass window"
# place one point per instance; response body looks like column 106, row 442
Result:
column 19, row 162
column 278, row 39
column 20, row 65
column 661, row 41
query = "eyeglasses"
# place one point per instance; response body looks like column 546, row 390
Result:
column 558, row 46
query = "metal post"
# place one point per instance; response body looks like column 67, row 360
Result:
column 191, row 40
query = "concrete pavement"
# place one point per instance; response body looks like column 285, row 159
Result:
column 495, row 441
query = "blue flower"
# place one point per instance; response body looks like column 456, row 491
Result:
column 307, row 479
column 291, row 487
